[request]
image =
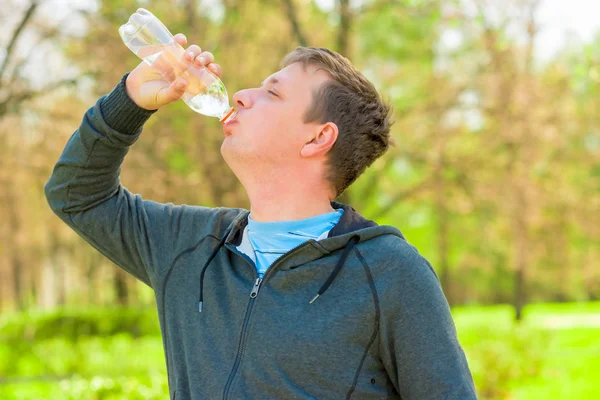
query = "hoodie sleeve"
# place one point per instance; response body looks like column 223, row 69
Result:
column 419, row 346
column 84, row 190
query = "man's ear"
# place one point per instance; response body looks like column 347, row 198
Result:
column 325, row 138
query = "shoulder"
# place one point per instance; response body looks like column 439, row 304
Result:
column 398, row 269
column 214, row 220
column 190, row 223
column 393, row 255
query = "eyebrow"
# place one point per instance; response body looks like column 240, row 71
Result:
column 271, row 79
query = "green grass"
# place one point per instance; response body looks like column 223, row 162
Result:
column 554, row 353
column 115, row 353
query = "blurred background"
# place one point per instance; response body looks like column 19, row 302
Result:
column 495, row 176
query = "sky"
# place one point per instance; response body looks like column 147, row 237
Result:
column 563, row 21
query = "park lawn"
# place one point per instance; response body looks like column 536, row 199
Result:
column 91, row 368
column 554, row 353
column 572, row 369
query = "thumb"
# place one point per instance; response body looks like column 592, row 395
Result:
column 173, row 92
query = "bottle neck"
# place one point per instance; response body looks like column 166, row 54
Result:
column 228, row 116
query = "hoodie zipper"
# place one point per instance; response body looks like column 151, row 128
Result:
column 253, row 294
column 254, row 291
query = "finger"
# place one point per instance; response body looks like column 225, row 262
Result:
column 204, row 58
column 172, row 92
column 215, row 68
column 180, row 38
column 192, row 52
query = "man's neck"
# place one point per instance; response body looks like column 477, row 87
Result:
column 270, row 205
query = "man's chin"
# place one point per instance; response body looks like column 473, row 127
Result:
column 234, row 164
column 228, row 152
column 237, row 158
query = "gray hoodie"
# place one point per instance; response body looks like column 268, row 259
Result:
column 379, row 328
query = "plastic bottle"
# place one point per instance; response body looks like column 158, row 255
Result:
column 150, row 40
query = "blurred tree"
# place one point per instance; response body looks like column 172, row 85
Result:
column 494, row 176
column 27, row 39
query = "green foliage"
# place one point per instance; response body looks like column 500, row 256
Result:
column 76, row 387
column 554, row 353
column 493, row 353
column 107, row 355
column 72, row 324
column 544, row 357
column 178, row 161
column 94, row 353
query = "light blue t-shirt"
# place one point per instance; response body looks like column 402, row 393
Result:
column 265, row 242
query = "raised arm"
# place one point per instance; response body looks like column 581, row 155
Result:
column 84, row 189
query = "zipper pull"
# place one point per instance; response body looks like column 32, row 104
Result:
column 254, row 292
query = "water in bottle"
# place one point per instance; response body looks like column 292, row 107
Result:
column 148, row 38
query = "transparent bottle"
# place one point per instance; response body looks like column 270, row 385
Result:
column 150, row 40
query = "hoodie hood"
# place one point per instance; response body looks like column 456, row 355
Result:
column 350, row 224
column 351, row 229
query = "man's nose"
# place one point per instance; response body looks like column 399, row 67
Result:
column 243, row 99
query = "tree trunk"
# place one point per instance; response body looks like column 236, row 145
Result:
column 520, row 242
column 344, row 30
column 441, row 210
column 12, row 246
column 190, row 11
column 120, row 285
column 17, row 280
column 292, row 15
column 95, row 261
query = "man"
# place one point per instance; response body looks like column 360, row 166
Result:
column 298, row 298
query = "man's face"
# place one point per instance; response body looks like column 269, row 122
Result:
column 269, row 129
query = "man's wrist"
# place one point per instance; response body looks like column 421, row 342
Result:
column 121, row 113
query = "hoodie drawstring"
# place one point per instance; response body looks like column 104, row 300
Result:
column 214, row 253
column 349, row 246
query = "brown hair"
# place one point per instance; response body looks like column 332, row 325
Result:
column 351, row 102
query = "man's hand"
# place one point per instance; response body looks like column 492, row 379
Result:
column 150, row 89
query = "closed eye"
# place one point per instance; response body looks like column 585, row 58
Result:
column 273, row 93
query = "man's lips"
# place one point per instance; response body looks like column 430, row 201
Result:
column 230, row 122
column 227, row 125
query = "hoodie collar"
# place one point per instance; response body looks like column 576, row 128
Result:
column 349, row 231
column 351, row 221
